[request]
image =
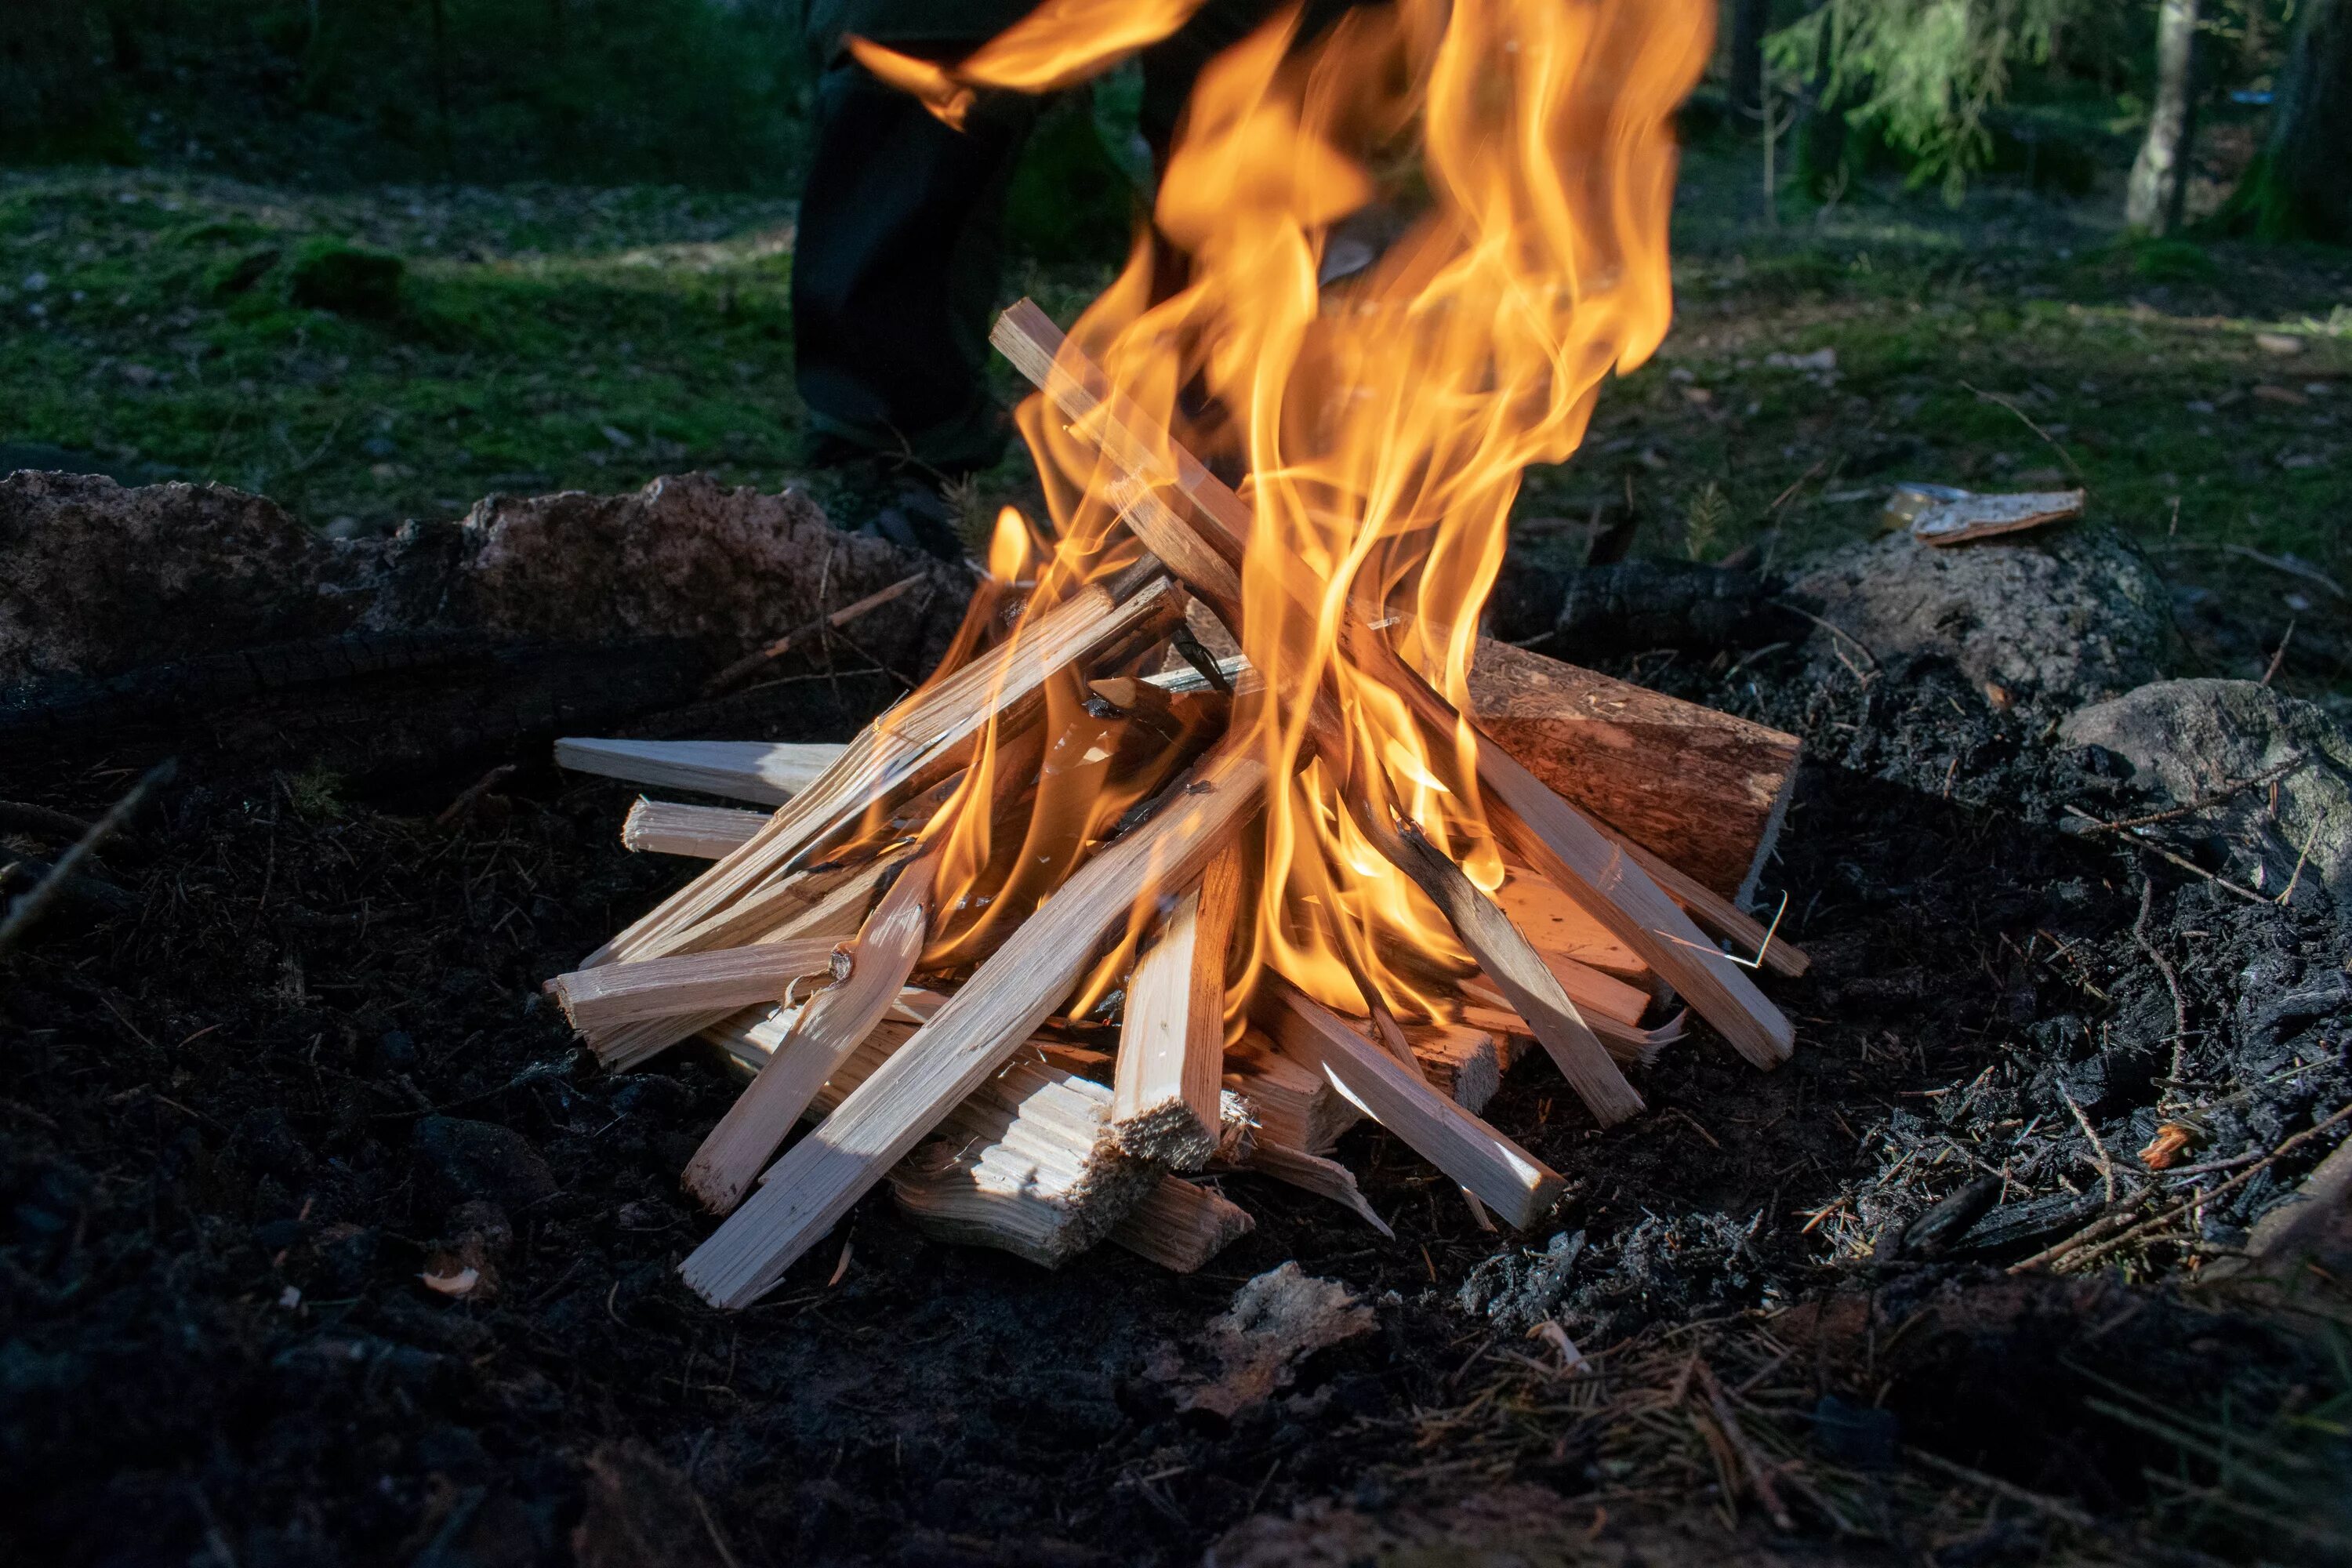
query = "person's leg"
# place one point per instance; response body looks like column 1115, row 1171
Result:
column 894, row 272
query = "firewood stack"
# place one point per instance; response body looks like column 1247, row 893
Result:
column 1042, row 1028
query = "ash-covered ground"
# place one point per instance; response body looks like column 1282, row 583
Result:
column 300, row 1050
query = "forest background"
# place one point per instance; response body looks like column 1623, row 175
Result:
column 378, row 258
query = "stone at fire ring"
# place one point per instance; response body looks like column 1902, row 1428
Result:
column 2190, row 740
column 2071, row 615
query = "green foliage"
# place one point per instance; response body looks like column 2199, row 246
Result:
column 348, row 280
column 1708, row 522
column 1921, row 74
column 2172, row 262
column 698, row 91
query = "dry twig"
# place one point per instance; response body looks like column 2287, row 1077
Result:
column 30, row 906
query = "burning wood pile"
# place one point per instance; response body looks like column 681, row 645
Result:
column 1095, row 909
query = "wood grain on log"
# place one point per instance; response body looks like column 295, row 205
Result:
column 1181, row 1224
column 1703, row 789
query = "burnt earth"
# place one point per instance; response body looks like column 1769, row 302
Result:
column 314, row 1066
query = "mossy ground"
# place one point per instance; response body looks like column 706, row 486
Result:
column 550, row 337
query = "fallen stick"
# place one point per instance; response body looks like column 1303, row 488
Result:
column 1508, row 1179
column 33, row 902
column 905, row 750
column 770, row 773
column 1013, row 992
column 832, row 1025
column 732, row 676
column 703, row 832
column 1181, row 1224
column 614, row 994
column 1172, row 1037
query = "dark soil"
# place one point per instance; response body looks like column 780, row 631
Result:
column 241, row 1120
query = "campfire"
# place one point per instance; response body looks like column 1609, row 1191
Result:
column 1220, row 826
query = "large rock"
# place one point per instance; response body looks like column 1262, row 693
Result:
column 2071, row 614
column 96, row 578
column 2188, row 741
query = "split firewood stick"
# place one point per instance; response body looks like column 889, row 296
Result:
column 1181, row 1224
column 1024, row 1164
column 1462, row 1063
column 735, row 672
column 1558, row 924
column 1716, row 914
column 1171, row 1039
column 1629, row 1044
column 617, row 993
column 701, row 832
column 1294, row 1105
column 30, row 905
column 1017, row 988
column 848, row 892
column 830, row 1028
column 1596, row 995
column 1505, row 954
column 1326, row 1178
column 1515, row 1183
column 1558, row 840
column 905, row 750
column 1560, row 843
column 1170, row 716
column 758, row 771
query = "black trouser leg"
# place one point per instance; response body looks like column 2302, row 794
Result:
column 894, row 271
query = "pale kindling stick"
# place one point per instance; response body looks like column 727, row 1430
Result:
column 829, row 1028
column 1172, row 1037
column 905, row 750
column 617, row 994
column 1013, row 992
column 1515, row 1183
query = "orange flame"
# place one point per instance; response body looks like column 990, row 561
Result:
column 1061, row 43
column 1409, row 249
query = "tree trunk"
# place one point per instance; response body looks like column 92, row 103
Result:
column 2305, row 190
column 2160, row 176
column 1749, row 19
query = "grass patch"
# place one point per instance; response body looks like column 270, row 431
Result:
column 537, row 338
